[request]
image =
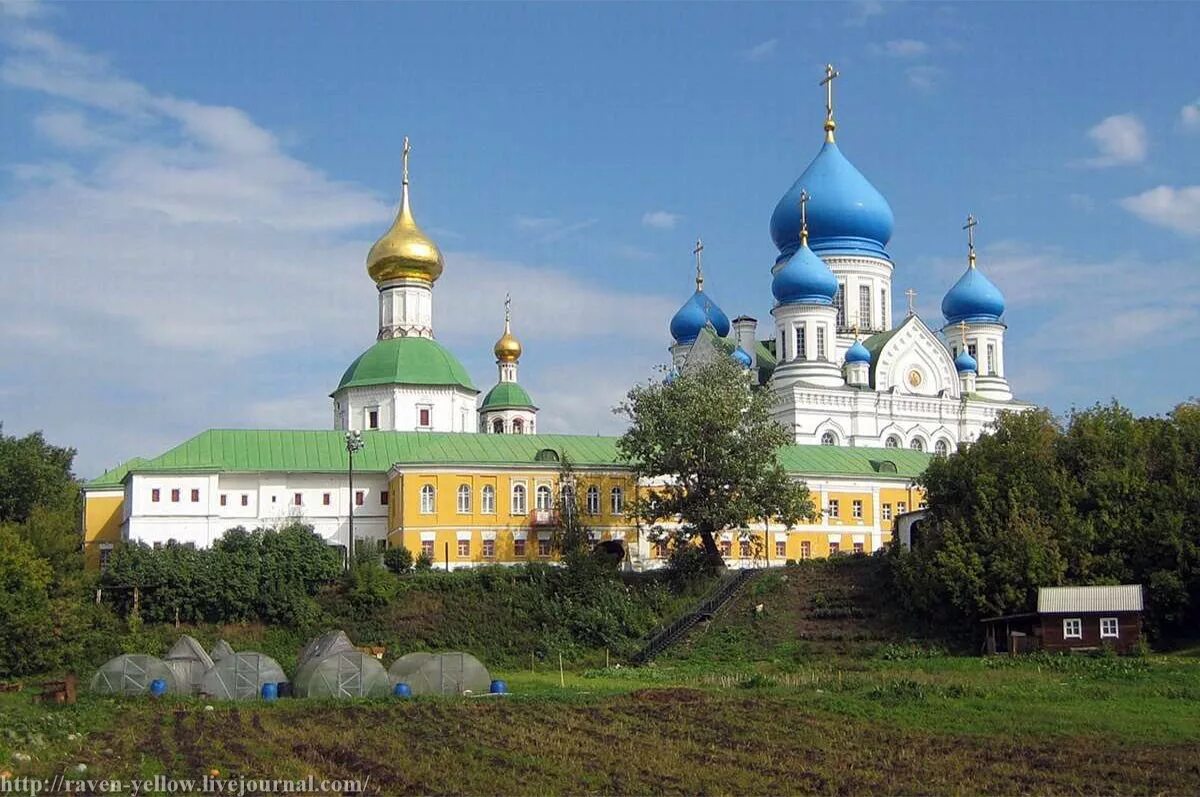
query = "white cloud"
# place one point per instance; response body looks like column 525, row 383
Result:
column 901, row 48
column 661, row 219
column 1166, row 206
column 1120, row 139
column 1189, row 116
column 761, row 51
column 865, row 11
column 177, row 269
column 923, row 78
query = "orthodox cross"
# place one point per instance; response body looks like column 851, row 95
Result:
column 699, row 271
column 507, row 309
column 970, row 226
column 803, row 215
column 962, row 330
column 912, row 295
column 406, row 150
column 827, row 82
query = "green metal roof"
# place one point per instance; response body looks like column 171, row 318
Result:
column 507, row 394
column 251, row 450
column 113, row 479
column 406, row 361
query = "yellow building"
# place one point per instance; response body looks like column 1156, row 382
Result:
column 465, row 499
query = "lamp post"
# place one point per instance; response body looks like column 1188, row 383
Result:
column 354, row 443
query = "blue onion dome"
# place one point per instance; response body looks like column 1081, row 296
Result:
column 973, row 298
column 696, row 313
column 803, row 278
column 847, row 213
column 858, row 353
column 743, row 359
column 965, row 362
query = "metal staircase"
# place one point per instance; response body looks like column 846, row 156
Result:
column 715, row 601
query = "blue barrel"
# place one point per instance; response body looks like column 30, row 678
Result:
column 499, row 687
column 402, row 690
column 158, row 687
column 270, row 691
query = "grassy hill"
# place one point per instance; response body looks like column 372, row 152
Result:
column 822, row 608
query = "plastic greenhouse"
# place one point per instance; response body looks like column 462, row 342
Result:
column 322, row 646
column 132, row 674
column 347, row 673
column 441, row 673
column 221, row 650
column 188, row 662
column 241, row 676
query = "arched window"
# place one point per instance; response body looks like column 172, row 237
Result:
column 489, row 500
column 917, row 444
column 942, row 448
column 618, row 500
column 568, row 494
column 892, row 442
column 829, row 439
column 464, row 499
column 593, row 500
column 518, row 426
column 542, row 497
column 427, row 499
column 519, row 507
column 498, row 426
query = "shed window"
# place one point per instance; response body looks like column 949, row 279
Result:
column 1072, row 628
column 1108, row 628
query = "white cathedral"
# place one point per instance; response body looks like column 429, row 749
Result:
column 841, row 371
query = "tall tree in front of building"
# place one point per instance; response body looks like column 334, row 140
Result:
column 707, row 443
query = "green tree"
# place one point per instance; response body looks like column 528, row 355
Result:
column 25, row 617
column 34, row 473
column 709, row 437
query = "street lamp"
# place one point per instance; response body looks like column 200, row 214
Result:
column 354, row 443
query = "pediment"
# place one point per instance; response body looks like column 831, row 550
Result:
column 914, row 361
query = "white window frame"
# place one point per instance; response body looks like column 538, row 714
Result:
column 617, row 499
column 488, row 500
column 886, row 509
column 941, row 448
column 428, row 499
column 521, row 507
column 1116, row 628
column 864, row 306
column 856, row 509
column 593, row 500
column 367, row 417
column 833, row 508
column 821, row 343
column 543, row 498
column 1072, row 623
column 426, row 408
column 892, row 442
column 828, row 439
column 464, row 499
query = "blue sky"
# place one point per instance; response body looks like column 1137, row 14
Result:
column 188, row 191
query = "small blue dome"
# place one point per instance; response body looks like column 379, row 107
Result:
column 846, row 213
column 858, row 353
column 742, row 357
column 965, row 362
column 804, row 279
column 973, row 298
column 692, row 317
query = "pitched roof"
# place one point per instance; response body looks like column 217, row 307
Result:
column 278, row 450
column 1121, row 598
column 113, row 479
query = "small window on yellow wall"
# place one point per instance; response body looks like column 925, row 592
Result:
column 856, row 509
column 464, row 499
column 464, row 549
column 488, row 500
column 593, row 500
column 618, row 501
column 427, row 499
column 489, row 549
column 780, row 548
column 805, row 549
column 519, row 548
column 519, row 505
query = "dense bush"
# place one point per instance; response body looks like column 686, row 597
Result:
column 398, row 560
column 1102, row 498
column 268, row 575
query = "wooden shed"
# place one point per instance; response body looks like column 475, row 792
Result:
column 1072, row 619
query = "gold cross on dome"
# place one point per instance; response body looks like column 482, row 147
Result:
column 827, row 82
column 507, row 309
column 404, row 158
column 970, row 226
column 699, row 269
column 962, row 330
column 912, row 295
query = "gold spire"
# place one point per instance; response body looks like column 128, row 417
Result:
column 404, row 251
column 970, row 226
column 508, row 348
column 827, row 82
column 699, row 269
column 804, row 197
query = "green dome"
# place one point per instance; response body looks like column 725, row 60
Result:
column 506, row 394
column 406, row 361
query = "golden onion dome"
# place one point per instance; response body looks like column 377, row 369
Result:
column 404, row 251
column 508, row 348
